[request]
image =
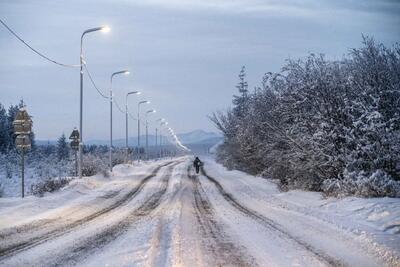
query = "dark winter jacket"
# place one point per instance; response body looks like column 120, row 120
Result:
column 197, row 163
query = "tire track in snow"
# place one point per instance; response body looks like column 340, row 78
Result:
column 163, row 249
column 7, row 250
column 79, row 251
column 225, row 252
column 41, row 224
column 270, row 223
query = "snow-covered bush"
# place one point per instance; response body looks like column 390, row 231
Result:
column 49, row 185
column 92, row 165
column 118, row 157
column 379, row 184
column 317, row 121
column 46, row 170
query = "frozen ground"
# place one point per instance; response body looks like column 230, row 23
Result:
column 163, row 214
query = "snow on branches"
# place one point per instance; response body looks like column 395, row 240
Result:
column 331, row 126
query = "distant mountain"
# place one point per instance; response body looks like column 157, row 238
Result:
column 197, row 137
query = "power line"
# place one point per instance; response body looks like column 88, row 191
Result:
column 134, row 118
column 34, row 50
column 103, row 95
column 120, row 109
column 93, row 83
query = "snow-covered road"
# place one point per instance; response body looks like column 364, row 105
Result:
column 163, row 214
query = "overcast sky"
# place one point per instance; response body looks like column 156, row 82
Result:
column 183, row 55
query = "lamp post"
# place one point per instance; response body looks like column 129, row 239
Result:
column 138, row 118
column 157, row 144
column 171, row 132
column 147, row 132
column 161, row 144
column 111, row 114
column 103, row 29
column 126, row 121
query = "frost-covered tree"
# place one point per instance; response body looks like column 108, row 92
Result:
column 4, row 135
column 320, row 124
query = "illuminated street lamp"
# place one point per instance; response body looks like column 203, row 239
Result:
column 138, row 118
column 126, row 72
column 126, row 120
column 147, row 132
column 104, row 29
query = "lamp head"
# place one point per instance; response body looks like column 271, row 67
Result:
column 105, row 29
column 134, row 93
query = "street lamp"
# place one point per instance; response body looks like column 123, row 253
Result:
column 138, row 119
column 126, row 120
column 147, row 132
column 161, row 144
column 159, row 120
column 126, row 72
column 103, row 29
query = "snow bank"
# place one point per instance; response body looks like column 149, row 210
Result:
column 374, row 221
column 15, row 210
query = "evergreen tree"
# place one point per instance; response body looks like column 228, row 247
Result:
column 240, row 101
column 12, row 112
column 62, row 147
column 4, row 137
column 7, row 127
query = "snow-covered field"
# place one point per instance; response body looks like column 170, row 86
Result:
column 163, row 214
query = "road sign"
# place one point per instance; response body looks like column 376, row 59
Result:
column 22, row 128
column 22, row 122
column 74, row 135
column 22, row 141
column 75, row 144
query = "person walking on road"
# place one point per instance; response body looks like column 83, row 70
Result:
column 197, row 163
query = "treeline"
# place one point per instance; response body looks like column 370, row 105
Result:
column 7, row 136
column 321, row 125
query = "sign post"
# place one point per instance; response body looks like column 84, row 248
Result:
column 74, row 137
column 22, row 128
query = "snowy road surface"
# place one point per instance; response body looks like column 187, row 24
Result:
column 163, row 214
